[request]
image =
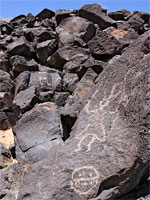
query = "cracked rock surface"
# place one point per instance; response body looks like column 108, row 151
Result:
column 75, row 89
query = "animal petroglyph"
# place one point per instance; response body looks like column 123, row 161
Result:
column 84, row 179
column 91, row 138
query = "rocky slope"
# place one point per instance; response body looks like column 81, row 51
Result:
column 75, row 88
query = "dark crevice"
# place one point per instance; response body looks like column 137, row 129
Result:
column 67, row 124
column 2, row 195
column 122, row 176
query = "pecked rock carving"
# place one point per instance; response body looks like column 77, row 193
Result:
column 75, row 91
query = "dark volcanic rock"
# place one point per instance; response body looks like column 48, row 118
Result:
column 26, row 99
column 5, row 82
column 22, row 81
column 4, row 123
column 21, row 64
column 62, row 14
column 96, row 14
column 66, row 54
column 44, row 81
column 45, row 13
column 46, row 49
column 21, row 47
column 10, row 179
column 70, row 81
column 4, row 62
column 5, row 28
column 73, row 27
column 103, row 45
column 39, row 34
column 73, row 105
column 108, row 151
column 124, row 37
column 37, row 132
column 60, row 98
column 121, row 14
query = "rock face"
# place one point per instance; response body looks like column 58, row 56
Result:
column 72, row 28
column 96, row 14
column 113, row 127
column 75, row 89
column 37, row 132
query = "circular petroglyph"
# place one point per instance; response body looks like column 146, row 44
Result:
column 84, row 179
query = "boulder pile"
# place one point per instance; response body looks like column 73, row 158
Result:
column 75, row 89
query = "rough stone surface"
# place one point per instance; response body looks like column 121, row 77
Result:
column 21, row 47
column 62, row 14
column 26, row 99
column 10, row 179
column 44, row 81
column 66, row 54
column 121, row 14
column 73, row 27
column 5, row 82
column 4, row 156
column 37, row 132
column 4, row 123
column 45, row 13
column 46, row 49
column 21, row 64
column 107, row 153
column 96, row 14
column 74, row 86
column 103, row 45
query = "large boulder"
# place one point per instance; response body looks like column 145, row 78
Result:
column 26, row 99
column 21, row 47
column 44, row 81
column 121, row 14
column 96, row 14
column 21, row 64
column 107, row 153
column 73, row 27
column 62, row 14
column 37, row 133
column 45, row 13
column 103, row 45
column 68, row 54
column 46, row 49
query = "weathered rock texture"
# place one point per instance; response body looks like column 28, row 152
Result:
column 75, row 87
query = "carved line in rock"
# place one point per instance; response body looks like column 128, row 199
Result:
column 44, row 80
column 77, row 184
column 84, row 179
column 93, row 137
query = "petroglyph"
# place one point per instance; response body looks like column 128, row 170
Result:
column 84, row 179
column 91, row 138
column 44, row 81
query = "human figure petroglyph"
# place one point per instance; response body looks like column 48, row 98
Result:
column 44, row 81
column 84, row 179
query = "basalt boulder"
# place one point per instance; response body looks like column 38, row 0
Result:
column 96, row 14
column 46, row 49
column 37, row 133
column 21, row 64
column 21, row 47
column 107, row 153
column 73, row 27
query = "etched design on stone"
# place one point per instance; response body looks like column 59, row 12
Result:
column 44, row 81
column 92, row 138
column 84, row 179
